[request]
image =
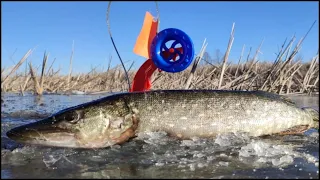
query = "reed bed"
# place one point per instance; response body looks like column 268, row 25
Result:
column 287, row 74
column 283, row 78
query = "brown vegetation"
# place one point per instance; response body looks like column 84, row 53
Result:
column 286, row 75
column 282, row 77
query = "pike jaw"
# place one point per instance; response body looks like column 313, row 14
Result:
column 75, row 128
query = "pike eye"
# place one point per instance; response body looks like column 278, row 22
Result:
column 74, row 117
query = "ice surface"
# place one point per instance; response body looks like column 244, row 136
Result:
column 153, row 138
column 278, row 155
column 155, row 154
column 284, row 160
column 232, row 139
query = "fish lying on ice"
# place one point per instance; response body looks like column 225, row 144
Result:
column 182, row 113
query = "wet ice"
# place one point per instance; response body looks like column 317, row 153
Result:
column 155, row 154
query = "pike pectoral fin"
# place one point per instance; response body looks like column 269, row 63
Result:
column 297, row 130
column 129, row 133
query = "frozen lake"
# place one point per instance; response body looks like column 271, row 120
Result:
column 154, row 155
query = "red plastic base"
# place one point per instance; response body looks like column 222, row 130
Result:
column 141, row 81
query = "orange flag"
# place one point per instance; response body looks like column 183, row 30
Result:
column 147, row 33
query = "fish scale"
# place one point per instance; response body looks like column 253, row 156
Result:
column 182, row 113
column 257, row 110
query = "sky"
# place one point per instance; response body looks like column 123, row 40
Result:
column 53, row 26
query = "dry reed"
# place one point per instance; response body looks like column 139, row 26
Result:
column 286, row 75
column 297, row 77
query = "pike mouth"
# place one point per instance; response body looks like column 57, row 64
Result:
column 47, row 135
column 56, row 137
column 50, row 132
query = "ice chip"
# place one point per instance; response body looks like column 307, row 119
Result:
column 159, row 164
column 50, row 160
column 222, row 163
column 231, row 139
column 192, row 167
column 187, row 143
column 199, row 155
column 210, row 158
column 286, row 159
column 201, row 165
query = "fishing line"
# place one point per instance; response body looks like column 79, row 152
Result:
column 128, row 80
column 158, row 15
column 109, row 30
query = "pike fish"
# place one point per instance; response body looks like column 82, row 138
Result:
column 181, row 113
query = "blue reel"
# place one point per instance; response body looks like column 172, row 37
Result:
column 165, row 58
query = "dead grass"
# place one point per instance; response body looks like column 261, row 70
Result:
column 287, row 74
column 295, row 77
